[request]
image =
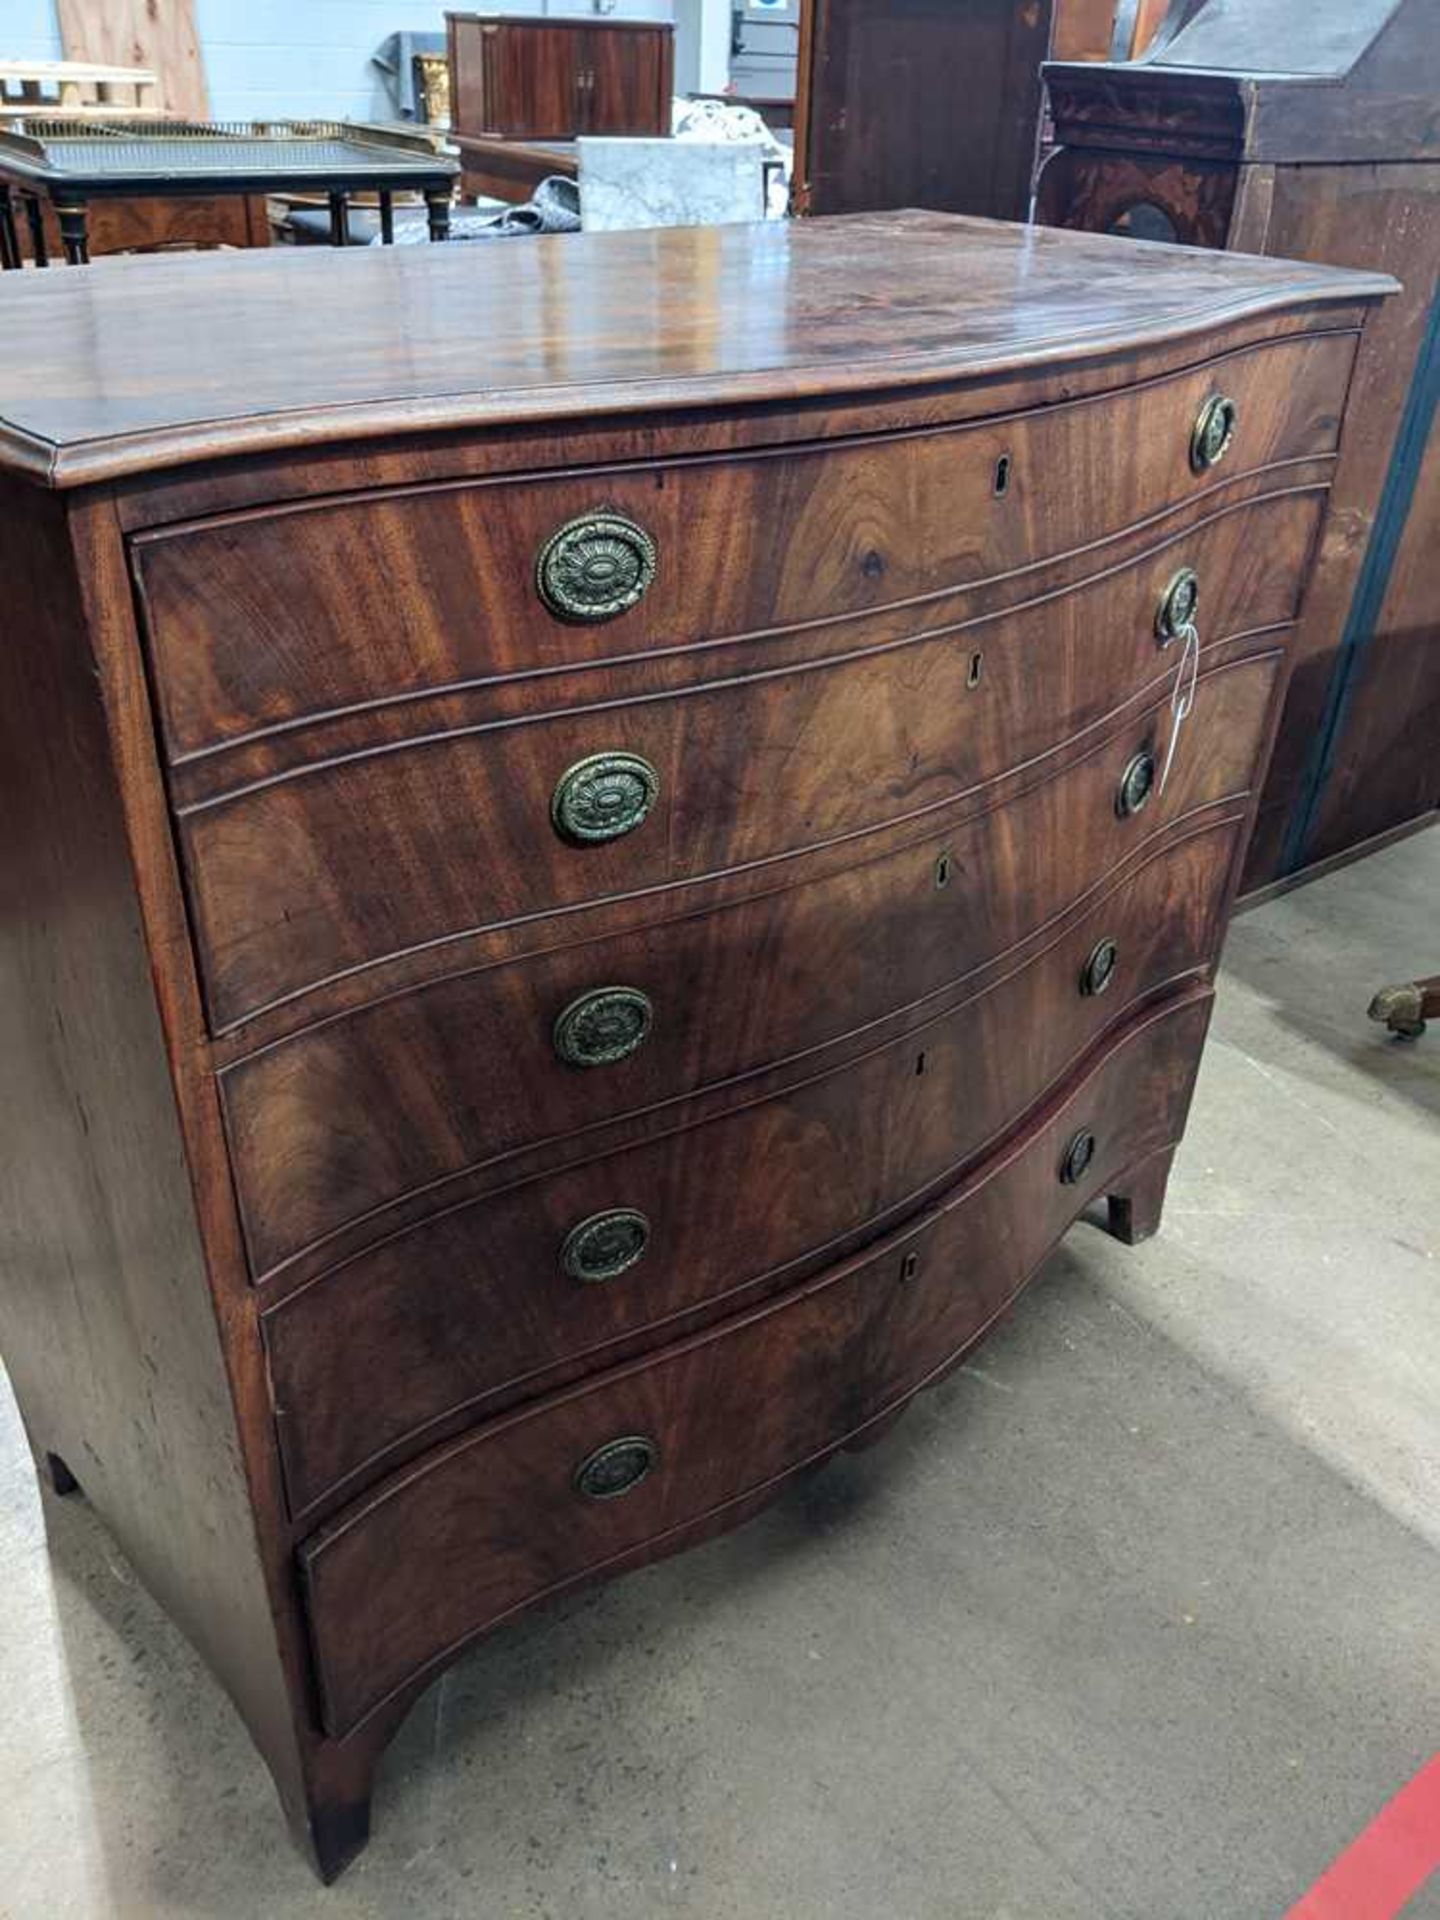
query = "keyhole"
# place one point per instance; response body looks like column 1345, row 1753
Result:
column 942, row 871
column 1002, row 475
column 919, row 1063
column 910, row 1266
column 972, row 678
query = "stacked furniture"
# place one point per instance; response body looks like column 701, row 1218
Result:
column 584, row 916
column 1309, row 131
column 518, row 85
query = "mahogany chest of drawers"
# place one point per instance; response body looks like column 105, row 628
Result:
column 580, row 916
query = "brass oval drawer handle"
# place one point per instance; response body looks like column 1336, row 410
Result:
column 1137, row 783
column 1178, row 605
column 617, row 1467
column 605, row 1245
column 602, row 1026
column 603, row 797
column 1078, row 1155
column 1099, row 969
column 1213, row 432
column 595, row 567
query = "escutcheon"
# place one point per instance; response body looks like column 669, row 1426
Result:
column 1078, row 1155
column 595, row 567
column 1178, row 604
column 602, row 1026
column 606, row 1245
column 603, row 797
column 617, row 1467
column 1214, row 430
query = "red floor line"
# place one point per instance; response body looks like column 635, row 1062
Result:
column 1388, row 1863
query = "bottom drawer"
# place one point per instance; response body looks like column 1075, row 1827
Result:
column 539, row 1500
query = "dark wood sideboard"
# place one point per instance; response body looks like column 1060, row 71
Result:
column 1308, row 129
column 516, row 82
column 928, row 103
column 584, row 916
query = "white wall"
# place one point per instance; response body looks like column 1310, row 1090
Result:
column 303, row 57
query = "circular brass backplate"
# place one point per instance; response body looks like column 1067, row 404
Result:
column 1178, row 605
column 1214, row 431
column 1099, row 968
column 1137, row 783
column 602, row 1026
column 606, row 1245
column 617, row 1467
column 595, row 567
column 1078, row 1155
column 603, row 797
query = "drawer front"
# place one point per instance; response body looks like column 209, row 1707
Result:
column 350, row 1115
column 489, row 1295
column 261, row 619
column 343, row 864
column 536, row 1501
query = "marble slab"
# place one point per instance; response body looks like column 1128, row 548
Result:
column 669, row 183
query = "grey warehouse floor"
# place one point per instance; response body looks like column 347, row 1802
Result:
column 1134, row 1616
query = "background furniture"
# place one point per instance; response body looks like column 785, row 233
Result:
column 584, row 915
column 1309, row 131
column 75, row 88
column 521, row 79
column 158, row 34
column 65, row 165
column 928, row 103
column 521, row 90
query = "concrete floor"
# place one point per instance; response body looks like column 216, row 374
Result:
column 1136, row 1616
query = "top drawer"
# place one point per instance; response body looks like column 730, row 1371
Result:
column 259, row 621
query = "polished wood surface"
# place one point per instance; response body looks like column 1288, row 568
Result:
column 1308, row 132
column 944, row 824
column 383, row 340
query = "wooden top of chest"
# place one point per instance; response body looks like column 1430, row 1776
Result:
column 137, row 364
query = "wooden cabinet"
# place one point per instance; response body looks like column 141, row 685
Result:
column 522, row 79
column 584, row 916
column 1308, row 131
column 924, row 103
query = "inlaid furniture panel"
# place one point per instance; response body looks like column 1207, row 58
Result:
column 585, row 915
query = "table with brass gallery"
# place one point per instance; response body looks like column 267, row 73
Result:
column 584, row 916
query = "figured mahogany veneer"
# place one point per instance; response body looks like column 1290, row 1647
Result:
column 729, row 1412
column 475, row 1300
column 409, row 1092
column 891, row 804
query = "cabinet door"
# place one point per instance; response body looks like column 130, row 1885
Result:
column 920, row 103
column 533, row 74
column 626, row 86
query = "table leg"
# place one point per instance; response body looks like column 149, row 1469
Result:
column 339, row 220
column 437, row 207
column 9, row 238
column 387, row 218
column 73, row 231
column 35, row 215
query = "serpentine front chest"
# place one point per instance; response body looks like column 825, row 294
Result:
column 610, row 839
